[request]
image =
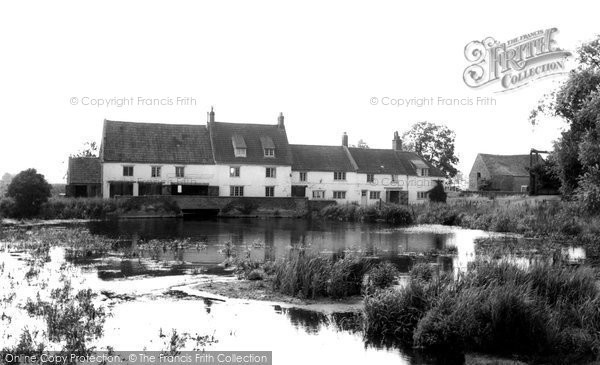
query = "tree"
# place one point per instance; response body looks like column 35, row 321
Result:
column 89, row 149
column 577, row 102
column 437, row 193
column 29, row 190
column 435, row 143
column 6, row 179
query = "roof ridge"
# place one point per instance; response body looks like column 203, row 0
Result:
column 152, row 123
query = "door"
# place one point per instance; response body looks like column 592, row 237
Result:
column 299, row 191
column 363, row 197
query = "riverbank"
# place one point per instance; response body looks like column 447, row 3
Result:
column 556, row 220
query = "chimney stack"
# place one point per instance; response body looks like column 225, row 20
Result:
column 211, row 115
column 397, row 142
column 345, row 140
column 280, row 121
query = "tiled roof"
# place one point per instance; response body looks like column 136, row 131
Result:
column 511, row 165
column 381, row 161
column 378, row 161
column 156, row 143
column 84, row 170
column 320, row 158
column 407, row 158
column 222, row 135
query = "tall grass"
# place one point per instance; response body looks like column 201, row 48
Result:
column 306, row 274
column 495, row 307
column 561, row 218
column 389, row 213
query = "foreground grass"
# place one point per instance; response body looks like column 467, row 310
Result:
column 495, row 307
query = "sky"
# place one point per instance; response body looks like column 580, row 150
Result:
column 319, row 63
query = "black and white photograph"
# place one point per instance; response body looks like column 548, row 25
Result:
column 318, row 182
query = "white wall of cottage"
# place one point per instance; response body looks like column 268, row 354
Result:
column 355, row 183
column 252, row 177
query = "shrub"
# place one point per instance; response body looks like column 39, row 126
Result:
column 438, row 194
column 7, row 207
column 29, row 191
column 381, row 276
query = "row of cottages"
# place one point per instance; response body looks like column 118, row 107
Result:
column 509, row 173
column 254, row 160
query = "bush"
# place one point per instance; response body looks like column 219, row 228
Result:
column 7, row 207
column 381, row 276
column 438, row 194
column 29, row 191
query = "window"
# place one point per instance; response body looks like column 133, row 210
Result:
column 270, row 172
column 155, row 171
column 421, row 195
column 269, row 152
column 269, row 191
column 424, row 172
column 479, row 175
column 374, row 195
column 370, row 178
column 363, row 193
column 239, row 145
column 234, row 171
column 127, row 170
column 524, row 188
column 236, row 191
column 179, row 171
column 303, row 176
column 318, row 194
column 339, row 195
column 394, row 178
column 339, row 175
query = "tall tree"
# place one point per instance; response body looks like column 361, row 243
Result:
column 89, row 149
column 577, row 102
column 435, row 143
column 30, row 190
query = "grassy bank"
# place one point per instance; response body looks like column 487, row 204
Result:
column 389, row 213
column 94, row 208
column 542, row 219
column 495, row 308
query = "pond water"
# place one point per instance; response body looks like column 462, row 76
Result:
column 148, row 283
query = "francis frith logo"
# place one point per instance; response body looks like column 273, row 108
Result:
column 515, row 62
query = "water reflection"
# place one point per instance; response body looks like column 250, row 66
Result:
column 182, row 246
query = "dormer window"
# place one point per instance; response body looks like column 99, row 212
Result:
column 239, row 146
column 421, row 167
column 268, row 146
